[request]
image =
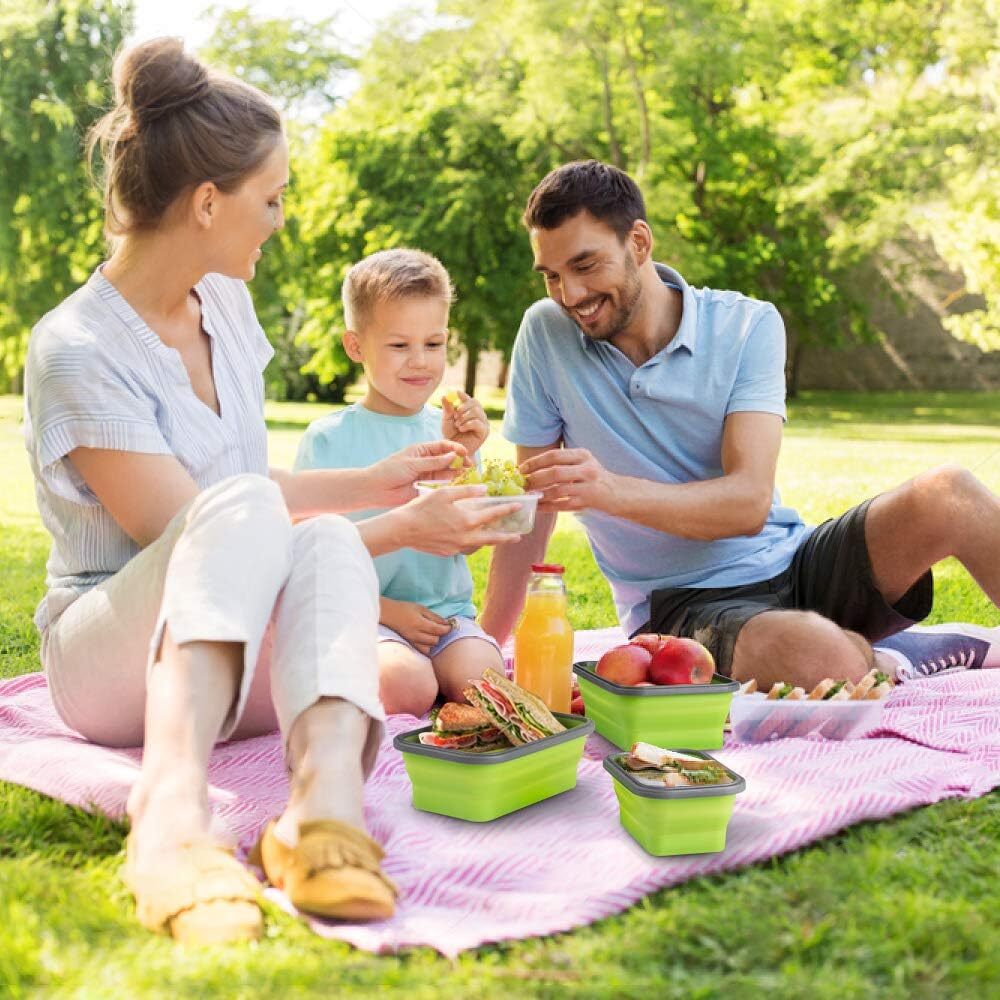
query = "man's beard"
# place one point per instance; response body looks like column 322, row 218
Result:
column 622, row 314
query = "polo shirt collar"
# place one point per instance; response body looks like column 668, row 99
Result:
column 687, row 332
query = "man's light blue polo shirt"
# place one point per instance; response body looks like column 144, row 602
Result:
column 661, row 421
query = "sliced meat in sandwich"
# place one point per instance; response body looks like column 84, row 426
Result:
column 463, row 727
column 519, row 715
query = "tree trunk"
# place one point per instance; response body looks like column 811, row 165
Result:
column 645, row 142
column 471, row 364
column 795, row 368
column 608, row 109
column 504, row 372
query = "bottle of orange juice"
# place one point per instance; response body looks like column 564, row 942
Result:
column 543, row 639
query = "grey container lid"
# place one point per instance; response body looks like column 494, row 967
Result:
column 577, row 727
column 614, row 767
column 719, row 684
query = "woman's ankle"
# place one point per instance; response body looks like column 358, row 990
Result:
column 169, row 812
column 325, row 751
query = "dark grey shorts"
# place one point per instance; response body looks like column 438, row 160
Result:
column 830, row 573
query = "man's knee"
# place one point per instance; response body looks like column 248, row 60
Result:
column 407, row 684
column 939, row 495
column 800, row 647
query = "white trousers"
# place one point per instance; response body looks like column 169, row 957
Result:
column 230, row 567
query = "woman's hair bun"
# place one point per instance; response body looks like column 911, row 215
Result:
column 176, row 123
column 157, row 77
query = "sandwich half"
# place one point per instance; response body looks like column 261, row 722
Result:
column 463, row 727
column 518, row 714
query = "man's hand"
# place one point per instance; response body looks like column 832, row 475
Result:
column 464, row 423
column 571, row 479
column 393, row 478
column 418, row 625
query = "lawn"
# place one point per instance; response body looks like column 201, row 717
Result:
column 903, row 908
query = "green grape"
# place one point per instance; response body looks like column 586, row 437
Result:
column 470, row 477
column 502, row 478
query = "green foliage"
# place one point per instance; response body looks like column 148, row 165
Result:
column 55, row 58
column 780, row 144
column 911, row 141
column 420, row 157
column 301, row 65
column 297, row 62
column 694, row 101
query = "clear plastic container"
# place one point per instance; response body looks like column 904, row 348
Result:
column 755, row 719
column 520, row 522
column 543, row 639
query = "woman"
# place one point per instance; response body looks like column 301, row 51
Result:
column 192, row 594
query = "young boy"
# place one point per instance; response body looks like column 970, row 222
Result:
column 396, row 312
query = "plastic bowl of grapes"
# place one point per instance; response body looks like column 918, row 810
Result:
column 504, row 483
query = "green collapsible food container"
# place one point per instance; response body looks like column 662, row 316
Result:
column 666, row 821
column 483, row 786
column 666, row 715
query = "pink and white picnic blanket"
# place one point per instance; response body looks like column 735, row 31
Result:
column 566, row 861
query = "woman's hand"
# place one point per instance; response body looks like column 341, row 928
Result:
column 419, row 626
column 439, row 523
column 464, row 422
column 392, row 479
column 442, row 525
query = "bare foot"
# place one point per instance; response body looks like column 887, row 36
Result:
column 165, row 816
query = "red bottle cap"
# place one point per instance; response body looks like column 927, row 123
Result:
column 547, row 568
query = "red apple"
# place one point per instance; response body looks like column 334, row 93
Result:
column 681, row 661
column 576, row 706
column 626, row 665
column 648, row 640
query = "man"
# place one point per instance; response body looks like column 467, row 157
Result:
column 655, row 411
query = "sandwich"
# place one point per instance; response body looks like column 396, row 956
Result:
column 517, row 713
column 645, row 755
column 671, row 768
column 462, row 727
column 789, row 721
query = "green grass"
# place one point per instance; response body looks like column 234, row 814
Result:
column 902, row 908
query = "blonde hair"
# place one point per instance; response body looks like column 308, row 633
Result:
column 175, row 124
column 388, row 276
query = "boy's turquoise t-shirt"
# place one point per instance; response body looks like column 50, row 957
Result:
column 355, row 437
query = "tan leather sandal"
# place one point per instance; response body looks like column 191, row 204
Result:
column 200, row 895
column 333, row 871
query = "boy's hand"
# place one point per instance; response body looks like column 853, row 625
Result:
column 418, row 625
column 393, row 477
column 464, row 423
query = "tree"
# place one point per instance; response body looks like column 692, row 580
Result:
column 679, row 96
column 300, row 64
column 910, row 145
column 420, row 157
column 55, row 61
